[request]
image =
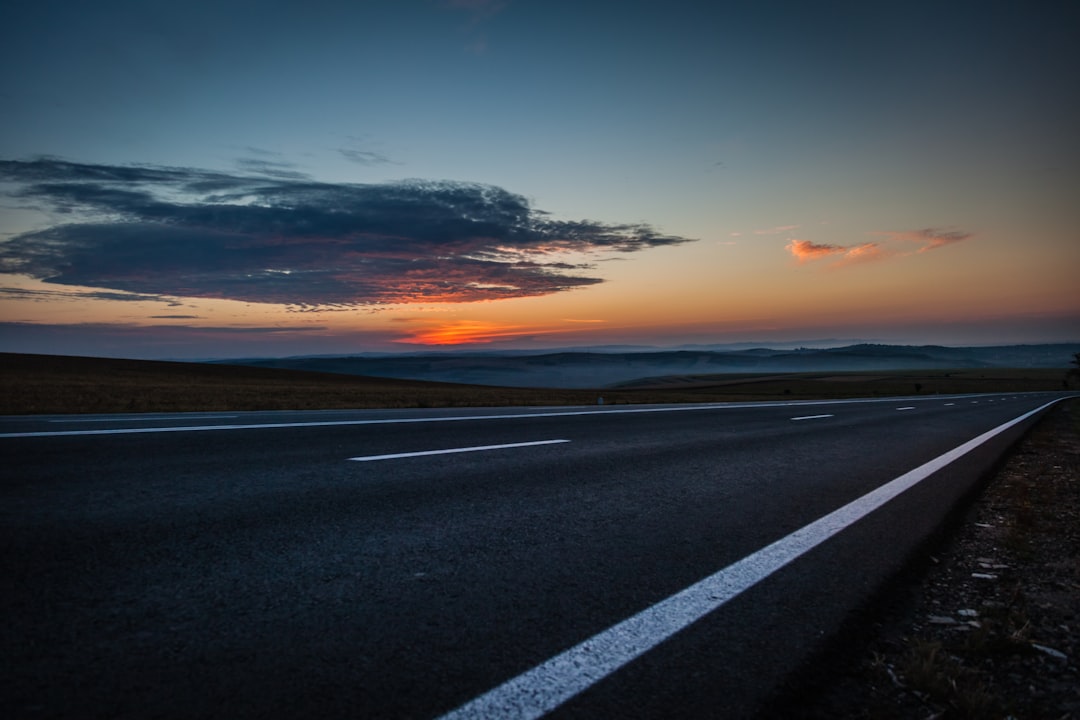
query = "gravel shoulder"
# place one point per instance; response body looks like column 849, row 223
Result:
column 986, row 624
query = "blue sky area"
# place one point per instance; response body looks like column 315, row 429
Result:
column 230, row 178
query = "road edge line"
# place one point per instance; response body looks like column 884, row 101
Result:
column 545, row 687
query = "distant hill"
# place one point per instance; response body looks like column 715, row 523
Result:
column 569, row 369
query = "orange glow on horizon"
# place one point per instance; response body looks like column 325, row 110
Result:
column 463, row 332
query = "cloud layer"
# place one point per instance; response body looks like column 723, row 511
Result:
column 271, row 237
column 927, row 239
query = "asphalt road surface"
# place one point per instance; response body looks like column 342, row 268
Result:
column 627, row 561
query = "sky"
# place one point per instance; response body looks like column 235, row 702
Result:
column 215, row 179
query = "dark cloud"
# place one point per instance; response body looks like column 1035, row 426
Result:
column 194, row 233
column 47, row 295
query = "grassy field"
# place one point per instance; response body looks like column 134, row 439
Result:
column 47, row 384
column 862, row 384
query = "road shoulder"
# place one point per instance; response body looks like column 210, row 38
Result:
column 986, row 622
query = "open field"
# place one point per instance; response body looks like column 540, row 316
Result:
column 859, row 384
column 47, row 384
column 590, row 369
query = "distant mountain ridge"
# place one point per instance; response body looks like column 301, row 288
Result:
column 591, row 369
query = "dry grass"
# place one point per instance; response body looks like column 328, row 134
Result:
column 46, row 384
column 864, row 384
column 942, row 680
column 52, row 384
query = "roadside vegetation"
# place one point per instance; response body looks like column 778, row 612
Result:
column 48, row 384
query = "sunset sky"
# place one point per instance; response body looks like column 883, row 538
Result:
column 226, row 179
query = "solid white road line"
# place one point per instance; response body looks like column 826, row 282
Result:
column 379, row 421
column 548, row 685
column 394, row 456
column 145, row 419
column 812, row 417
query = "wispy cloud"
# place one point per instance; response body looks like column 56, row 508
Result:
column 364, row 157
column 261, row 152
column 177, row 339
column 16, row 293
column 893, row 246
column 928, row 238
column 193, row 329
column 186, row 232
column 777, row 230
column 271, row 168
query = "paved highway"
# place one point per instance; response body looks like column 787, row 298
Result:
column 628, row 561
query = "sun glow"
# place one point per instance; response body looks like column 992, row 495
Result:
column 462, row 332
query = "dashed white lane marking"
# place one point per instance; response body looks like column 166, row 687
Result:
column 909, row 407
column 428, row 419
column 478, row 448
column 438, row 418
column 540, row 690
column 949, row 404
column 812, row 417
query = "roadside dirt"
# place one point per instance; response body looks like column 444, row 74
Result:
column 989, row 625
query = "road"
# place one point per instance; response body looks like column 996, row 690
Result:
column 626, row 561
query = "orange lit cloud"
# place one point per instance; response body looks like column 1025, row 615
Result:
column 863, row 253
column 806, row 251
column 928, row 238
